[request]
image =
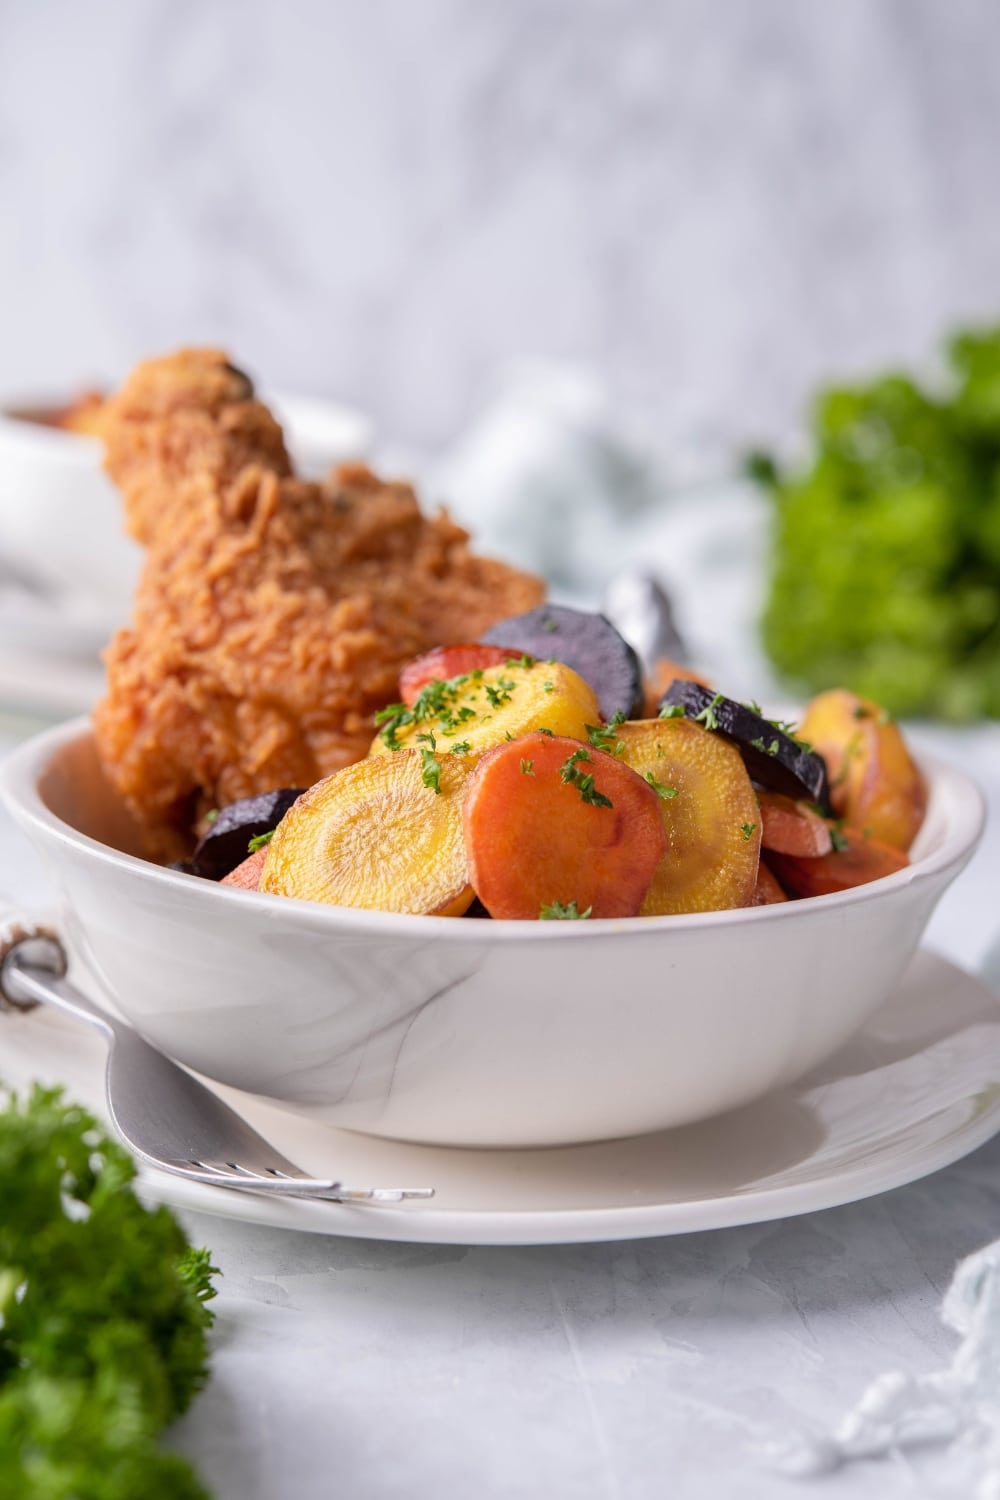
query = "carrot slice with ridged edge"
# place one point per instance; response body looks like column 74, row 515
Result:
column 446, row 662
column 874, row 781
column 469, row 714
column 556, row 828
column 377, row 835
column 792, row 827
column 854, row 860
column 709, row 812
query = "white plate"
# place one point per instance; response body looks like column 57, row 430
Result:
column 918, row 1088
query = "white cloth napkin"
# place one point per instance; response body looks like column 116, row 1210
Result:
column 959, row 1405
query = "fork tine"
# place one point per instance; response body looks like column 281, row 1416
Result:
column 284, row 1184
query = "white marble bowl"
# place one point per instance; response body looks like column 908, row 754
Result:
column 465, row 1032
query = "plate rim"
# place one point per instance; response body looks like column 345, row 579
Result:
column 581, row 1225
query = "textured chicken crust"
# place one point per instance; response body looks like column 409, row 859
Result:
column 272, row 615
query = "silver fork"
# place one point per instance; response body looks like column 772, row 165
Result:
column 164, row 1115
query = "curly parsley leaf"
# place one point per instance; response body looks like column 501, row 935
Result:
column 103, row 1315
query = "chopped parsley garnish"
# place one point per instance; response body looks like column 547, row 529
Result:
column 571, row 774
column 784, row 726
column 549, row 687
column 549, row 625
column 838, row 839
column 671, row 711
column 708, row 716
column 521, row 661
column 527, row 767
column 747, row 829
column 260, row 841
column 501, row 693
column 771, row 749
column 211, row 816
column 603, row 737
column 540, row 730
column 391, row 711
column 431, row 773
column 665, row 793
column 557, row 912
column 393, row 717
column 462, row 748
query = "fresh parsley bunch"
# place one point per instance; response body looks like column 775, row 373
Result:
column 102, row 1315
column 886, row 559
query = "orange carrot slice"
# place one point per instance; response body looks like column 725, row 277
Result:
column 709, row 813
column 446, row 662
column 556, row 828
column 791, row 827
column 768, row 890
column 854, row 860
column 247, row 875
column 384, row 834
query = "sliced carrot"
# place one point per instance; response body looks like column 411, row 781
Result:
column 377, row 835
column 467, row 715
column 446, row 662
column 709, row 813
column 247, row 875
column 874, row 781
column 663, row 674
column 555, row 825
column 768, row 891
column 791, row 827
column 855, row 860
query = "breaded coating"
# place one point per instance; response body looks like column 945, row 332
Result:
column 272, row 615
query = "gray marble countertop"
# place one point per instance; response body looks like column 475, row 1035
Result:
column 650, row 1368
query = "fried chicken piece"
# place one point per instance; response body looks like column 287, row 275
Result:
column 273, row 615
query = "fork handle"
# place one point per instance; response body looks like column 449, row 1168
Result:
column 32, row 972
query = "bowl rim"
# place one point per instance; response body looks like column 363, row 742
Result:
column 21, row 770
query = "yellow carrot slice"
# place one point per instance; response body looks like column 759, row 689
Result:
column 874, row 781
column 709, row 812
column 384, row 834
column 467, row 715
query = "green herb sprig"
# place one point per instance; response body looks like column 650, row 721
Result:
column 103, row 1315
column 557, row 912
column 571, row 774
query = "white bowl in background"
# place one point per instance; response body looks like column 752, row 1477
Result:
column 61, row 528
column 468, row 1032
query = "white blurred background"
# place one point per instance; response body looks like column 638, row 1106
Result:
column 718, row 206
column 570, row 257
